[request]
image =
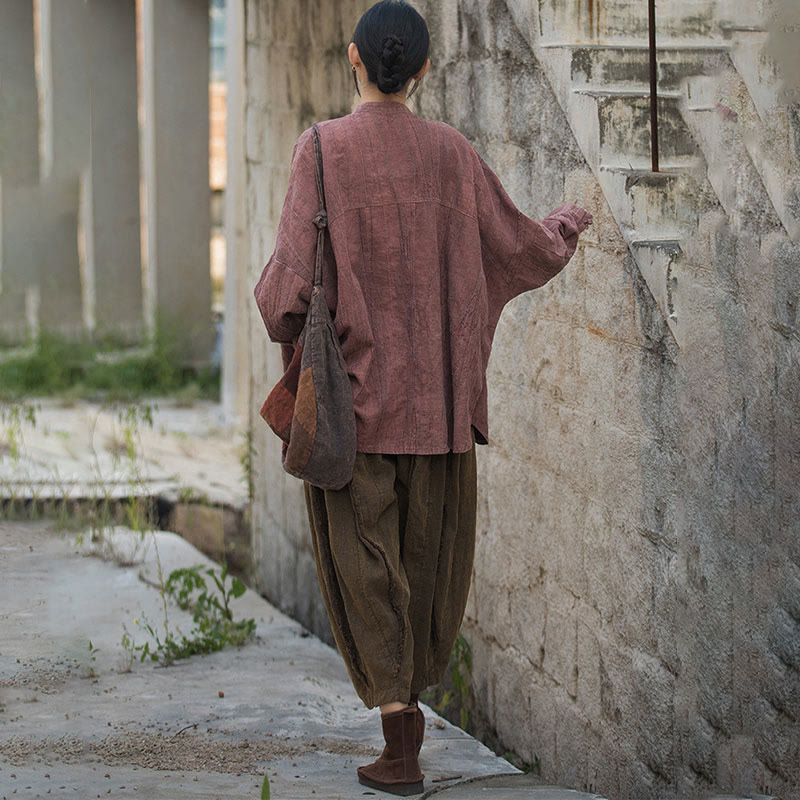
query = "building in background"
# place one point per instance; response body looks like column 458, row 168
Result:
column 104, row 169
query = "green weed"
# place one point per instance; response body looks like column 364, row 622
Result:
column 460, row 668
column 88, row 670
column 209, row 603
column 13, row 419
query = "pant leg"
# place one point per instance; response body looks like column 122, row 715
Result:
column 438, row 547
column 394, row 553
column 355, row 534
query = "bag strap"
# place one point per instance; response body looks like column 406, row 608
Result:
column 321, row 219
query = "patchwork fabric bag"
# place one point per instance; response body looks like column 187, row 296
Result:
column 311, row 407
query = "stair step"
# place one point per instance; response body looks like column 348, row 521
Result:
column 683, row 45
column 621, row 134
column 679, row 19
column 667, row 244
column 623, row 67
column 615, row 91
column 733, row 27
column 656, row 259
column 667, row 172
column 649, row 203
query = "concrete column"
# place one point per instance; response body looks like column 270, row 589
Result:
column 64, row 43
column 64, row 87
column 176, row 130
column 19, row 100
column 115, row 269
column 235, row 360
column 61, row 299
column 19, row 164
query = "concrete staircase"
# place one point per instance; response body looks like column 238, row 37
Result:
column 719, row 113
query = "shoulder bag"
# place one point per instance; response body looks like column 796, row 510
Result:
column 311, row 407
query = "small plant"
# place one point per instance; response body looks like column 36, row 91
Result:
column 13, row 418
column 89, row 671
column 188, row 494
column 128, row 651
column 137, row 509
column 457, row 685
column 214, row 625
column 461, row 673
column 130, row 419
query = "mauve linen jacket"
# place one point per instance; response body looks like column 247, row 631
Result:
column 427, row 249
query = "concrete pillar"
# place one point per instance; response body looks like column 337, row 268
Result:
column 64, row 88
column 19, row 164
column 235, row 360
column 64, row 44
column 176, row 130
column 113, row 267
column 19, row 101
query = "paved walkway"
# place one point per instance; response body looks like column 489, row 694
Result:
column 77, row 723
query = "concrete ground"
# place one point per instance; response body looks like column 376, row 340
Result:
column 89, row 723
column 84, row 723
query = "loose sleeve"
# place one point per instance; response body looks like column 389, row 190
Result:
column 283, row 291
column 520, row 253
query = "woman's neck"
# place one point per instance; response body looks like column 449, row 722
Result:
column 370, row 93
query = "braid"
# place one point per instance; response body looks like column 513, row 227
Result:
column 391, row 66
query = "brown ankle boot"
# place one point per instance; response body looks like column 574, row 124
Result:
column 397, row 770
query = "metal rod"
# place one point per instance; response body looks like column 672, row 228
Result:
column 651, row 13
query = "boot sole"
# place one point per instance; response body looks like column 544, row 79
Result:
column 402, row 789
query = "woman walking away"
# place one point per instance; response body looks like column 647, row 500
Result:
column 426, row 248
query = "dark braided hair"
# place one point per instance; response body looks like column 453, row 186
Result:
column 392, row 40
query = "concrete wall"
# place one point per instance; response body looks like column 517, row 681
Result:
column 283, row 97
column 635, row 613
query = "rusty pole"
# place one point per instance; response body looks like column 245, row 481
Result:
column 651, row 13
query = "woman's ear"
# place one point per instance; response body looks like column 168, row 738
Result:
column 423, row 72
column 352, row 54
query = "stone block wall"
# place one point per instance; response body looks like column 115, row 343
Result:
column 294, row 75
column 635, row 610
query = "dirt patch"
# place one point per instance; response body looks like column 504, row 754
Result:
column 186, row 751
column 46, row 678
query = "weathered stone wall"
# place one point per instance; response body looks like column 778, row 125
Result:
column 294, row 75
column 635, row 612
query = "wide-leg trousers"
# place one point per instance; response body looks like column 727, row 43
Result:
column 394, row 551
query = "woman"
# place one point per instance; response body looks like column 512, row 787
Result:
column 426, row 249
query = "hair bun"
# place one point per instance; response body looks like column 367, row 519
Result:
column 393, row 42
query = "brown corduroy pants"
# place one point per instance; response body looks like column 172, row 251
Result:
column 394, row 552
